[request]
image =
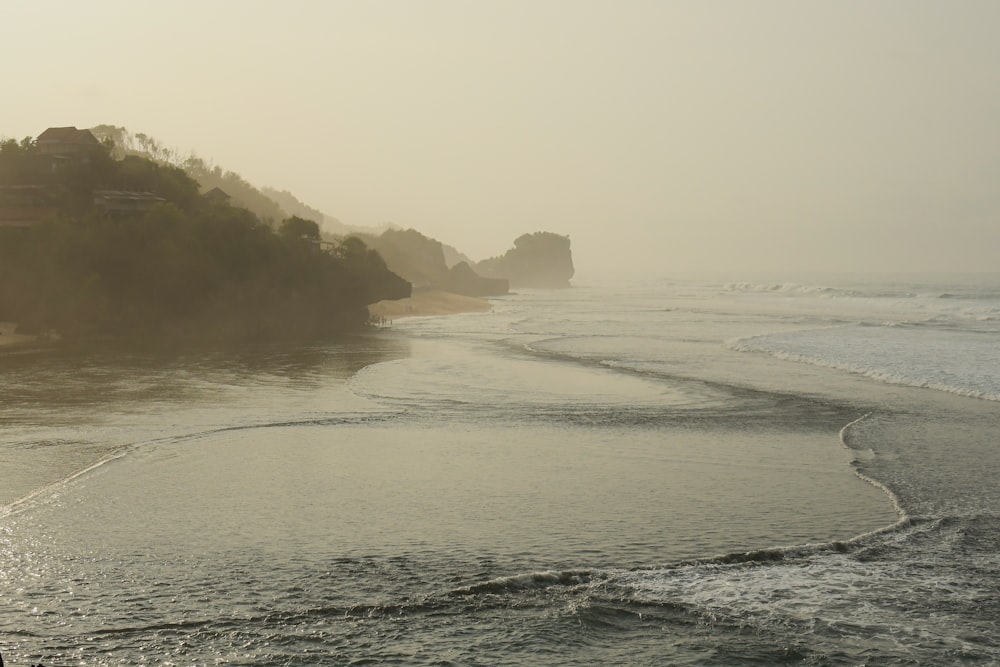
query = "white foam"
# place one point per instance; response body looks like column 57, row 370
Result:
column 790, row 288
column 831, row 596
column 956, row 361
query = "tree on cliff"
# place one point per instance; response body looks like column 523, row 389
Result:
column 299, row 228
column 270, row 205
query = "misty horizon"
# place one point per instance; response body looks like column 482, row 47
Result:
column 718, row 386
column 682, row 136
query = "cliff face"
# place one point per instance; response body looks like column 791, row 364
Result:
column 411, row 255
column 422, row 261
column 463, row 280
column 542, row 259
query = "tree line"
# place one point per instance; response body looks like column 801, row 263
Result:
column 187, row 265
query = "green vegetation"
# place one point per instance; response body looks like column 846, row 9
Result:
column 290, row 204
column 154, row 257
column 268, row 204
column 127, row 144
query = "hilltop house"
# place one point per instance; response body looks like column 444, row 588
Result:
column 122, row 203
column 67, row 143
column 24, row 205
column 216, row 196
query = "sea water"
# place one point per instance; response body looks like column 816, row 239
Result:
column 638, row 470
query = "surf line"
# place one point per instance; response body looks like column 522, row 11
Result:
column 904, row 518
column 22, row 502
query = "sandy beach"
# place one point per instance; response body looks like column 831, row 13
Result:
column 428, row 302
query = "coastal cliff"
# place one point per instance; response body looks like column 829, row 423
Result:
column 542, row 259
column 157, row 258
column 421, row 260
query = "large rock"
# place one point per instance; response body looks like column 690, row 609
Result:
column 542, row 259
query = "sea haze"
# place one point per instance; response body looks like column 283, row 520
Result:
column 639, row 471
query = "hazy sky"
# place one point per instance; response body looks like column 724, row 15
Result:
column 702, row 135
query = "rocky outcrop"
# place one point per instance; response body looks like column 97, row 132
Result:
column 463, row 280
column 422, row 261
column 453, row 256
column 542, row 259
column 411, row 255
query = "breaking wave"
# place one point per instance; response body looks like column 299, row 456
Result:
column 960, row 362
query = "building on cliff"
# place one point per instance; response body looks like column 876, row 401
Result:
column 65, row 144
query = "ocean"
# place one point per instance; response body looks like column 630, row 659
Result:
column 639, row 470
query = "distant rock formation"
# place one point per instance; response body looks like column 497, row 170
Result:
column 421, row 260
column 453, row 256
column 542, row 259
column 463, row 280
column 411, row 255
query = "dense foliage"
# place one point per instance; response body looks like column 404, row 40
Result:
column 184, row 265
column 268, row 204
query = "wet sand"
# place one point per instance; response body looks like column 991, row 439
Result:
column 429, row 302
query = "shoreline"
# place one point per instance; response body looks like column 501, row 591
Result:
column 424, row 303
